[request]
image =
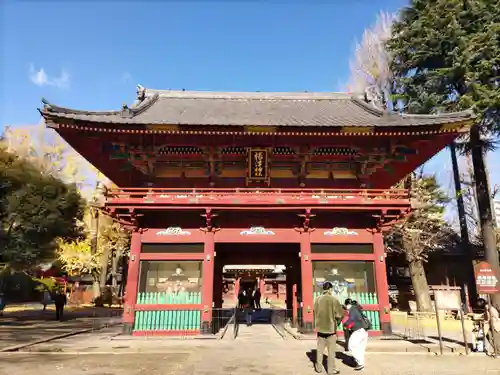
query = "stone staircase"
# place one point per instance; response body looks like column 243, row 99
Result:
column 264, row 333
column 261, row 316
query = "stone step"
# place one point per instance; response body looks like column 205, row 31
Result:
column 258, row 332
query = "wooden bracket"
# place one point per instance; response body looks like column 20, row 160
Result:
column 384, row 221
column 306, row 223
column 209, row 226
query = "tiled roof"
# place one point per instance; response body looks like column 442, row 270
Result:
column 250, row 109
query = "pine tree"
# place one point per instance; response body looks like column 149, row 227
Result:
column 446, row 57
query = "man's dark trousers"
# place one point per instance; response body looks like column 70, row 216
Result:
column 59, row 312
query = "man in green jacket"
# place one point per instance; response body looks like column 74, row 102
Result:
column 328, row 312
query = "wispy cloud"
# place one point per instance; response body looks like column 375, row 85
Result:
column 41, row 78
column 126, row 77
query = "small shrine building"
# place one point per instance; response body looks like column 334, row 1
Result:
column 208, row 180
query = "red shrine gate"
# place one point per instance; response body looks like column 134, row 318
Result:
column 298, row 179
column 310, row 253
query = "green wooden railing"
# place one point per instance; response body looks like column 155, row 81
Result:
column 165, row 298
column 168, row 320
column 362, row 298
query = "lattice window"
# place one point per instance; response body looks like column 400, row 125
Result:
column 233, row 151
column 180, row 150
column 283, row 151
column 334, row 151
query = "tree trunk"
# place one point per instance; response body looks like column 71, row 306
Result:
column 115, row 263
column 123, row 282
column 464, row 230
column 95, row 287
column 103, row 277
column 94, row 227
column 420, row 286
column 484, row 204
column 114, row 269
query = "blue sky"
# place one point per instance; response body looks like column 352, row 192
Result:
column 90, row 55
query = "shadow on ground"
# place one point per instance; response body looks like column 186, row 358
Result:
column 447, row 340
column 346, row 359
column 25, row 327
column 16, row 317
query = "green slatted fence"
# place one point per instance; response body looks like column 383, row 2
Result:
column 362, row 298
column 165, row 298
column 168, row 320
column 374, row 317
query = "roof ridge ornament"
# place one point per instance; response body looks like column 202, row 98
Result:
column 126, row 112
column 371, row 95
column 141, row 94
column 46, row 103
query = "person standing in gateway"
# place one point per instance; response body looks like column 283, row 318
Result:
column 328, row 312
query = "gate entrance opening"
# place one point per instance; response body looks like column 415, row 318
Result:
column 272, row 268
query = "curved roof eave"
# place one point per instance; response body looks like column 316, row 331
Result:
column 250, row 109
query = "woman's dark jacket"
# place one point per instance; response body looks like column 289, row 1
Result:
column 354, row 319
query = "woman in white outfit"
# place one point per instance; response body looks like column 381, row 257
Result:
column 357, row 327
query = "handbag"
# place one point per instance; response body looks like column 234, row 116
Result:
column 367, row 324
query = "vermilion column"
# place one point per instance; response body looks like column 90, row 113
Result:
column 208, row 283
column 307, row 283
column 381, row 283
column 132, row 283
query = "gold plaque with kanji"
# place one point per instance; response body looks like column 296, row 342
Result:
column 257, row 164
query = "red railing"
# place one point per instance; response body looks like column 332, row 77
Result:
column 253, row 195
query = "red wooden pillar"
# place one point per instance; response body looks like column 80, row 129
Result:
column 261, row 285
column 132, row 283
column 381, row 284
column 307, row 283
column 208, row 283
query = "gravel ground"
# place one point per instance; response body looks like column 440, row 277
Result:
column 95, row 364
column 259, row 351
column 243, row 358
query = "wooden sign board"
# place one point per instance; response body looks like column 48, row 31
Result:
column 448, row 299
column 486, row 279
column 257, row 164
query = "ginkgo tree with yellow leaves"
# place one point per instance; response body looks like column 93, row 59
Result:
column 77, row 258
column 80, row 258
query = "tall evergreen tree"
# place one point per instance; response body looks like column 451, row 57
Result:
column 36, row 210
column 446, row 57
